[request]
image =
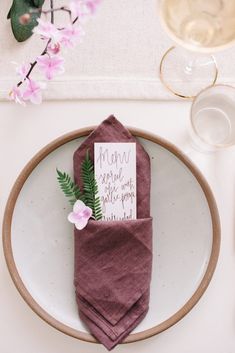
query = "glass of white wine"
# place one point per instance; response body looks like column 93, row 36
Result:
column 200, row 28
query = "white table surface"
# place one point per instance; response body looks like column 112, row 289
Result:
column 210, row 326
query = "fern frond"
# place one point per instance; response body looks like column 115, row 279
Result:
column 69, row 188
column 90, row 187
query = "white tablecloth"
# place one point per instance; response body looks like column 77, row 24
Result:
column 119, row 60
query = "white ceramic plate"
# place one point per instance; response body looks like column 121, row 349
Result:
column 38, row 240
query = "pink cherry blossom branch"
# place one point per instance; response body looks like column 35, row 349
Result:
column 50, row 62
column 32, row 65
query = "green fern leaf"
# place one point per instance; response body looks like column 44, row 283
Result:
column 69, row 188
column 90, row 187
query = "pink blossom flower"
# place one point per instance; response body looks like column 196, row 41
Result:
column 71, row 35
column 80, row 215
column 92, row 5
column 23, row 70
column 75, row 7
column 50, row 65
column 47, row 30
column 16, row 95
column 53, row 48
column 83, row 8
column 33, row 92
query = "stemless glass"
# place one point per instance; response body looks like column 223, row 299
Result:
column 200, row 28
column 212, row 121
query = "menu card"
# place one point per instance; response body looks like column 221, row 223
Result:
column 115, row 172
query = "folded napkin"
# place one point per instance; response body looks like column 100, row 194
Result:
column 113, row 259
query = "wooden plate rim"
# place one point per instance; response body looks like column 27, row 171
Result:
column 8, row 252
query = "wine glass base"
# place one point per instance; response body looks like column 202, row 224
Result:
column 186, row 73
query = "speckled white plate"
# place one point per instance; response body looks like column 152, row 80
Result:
column 38, row 240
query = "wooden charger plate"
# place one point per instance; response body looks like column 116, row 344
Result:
column 38, row 240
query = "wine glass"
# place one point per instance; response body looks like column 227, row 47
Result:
column 200, row 28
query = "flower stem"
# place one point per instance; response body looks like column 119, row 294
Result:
column 34, row 64
column 52, row 12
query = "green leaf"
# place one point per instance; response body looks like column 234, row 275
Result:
column 90, row 187
column 38, row 3
column 20, row 7
column 69, row 188
column 9, row 14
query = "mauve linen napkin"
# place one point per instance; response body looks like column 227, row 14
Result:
column 113, row 259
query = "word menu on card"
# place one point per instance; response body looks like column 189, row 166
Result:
column 115, row 172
